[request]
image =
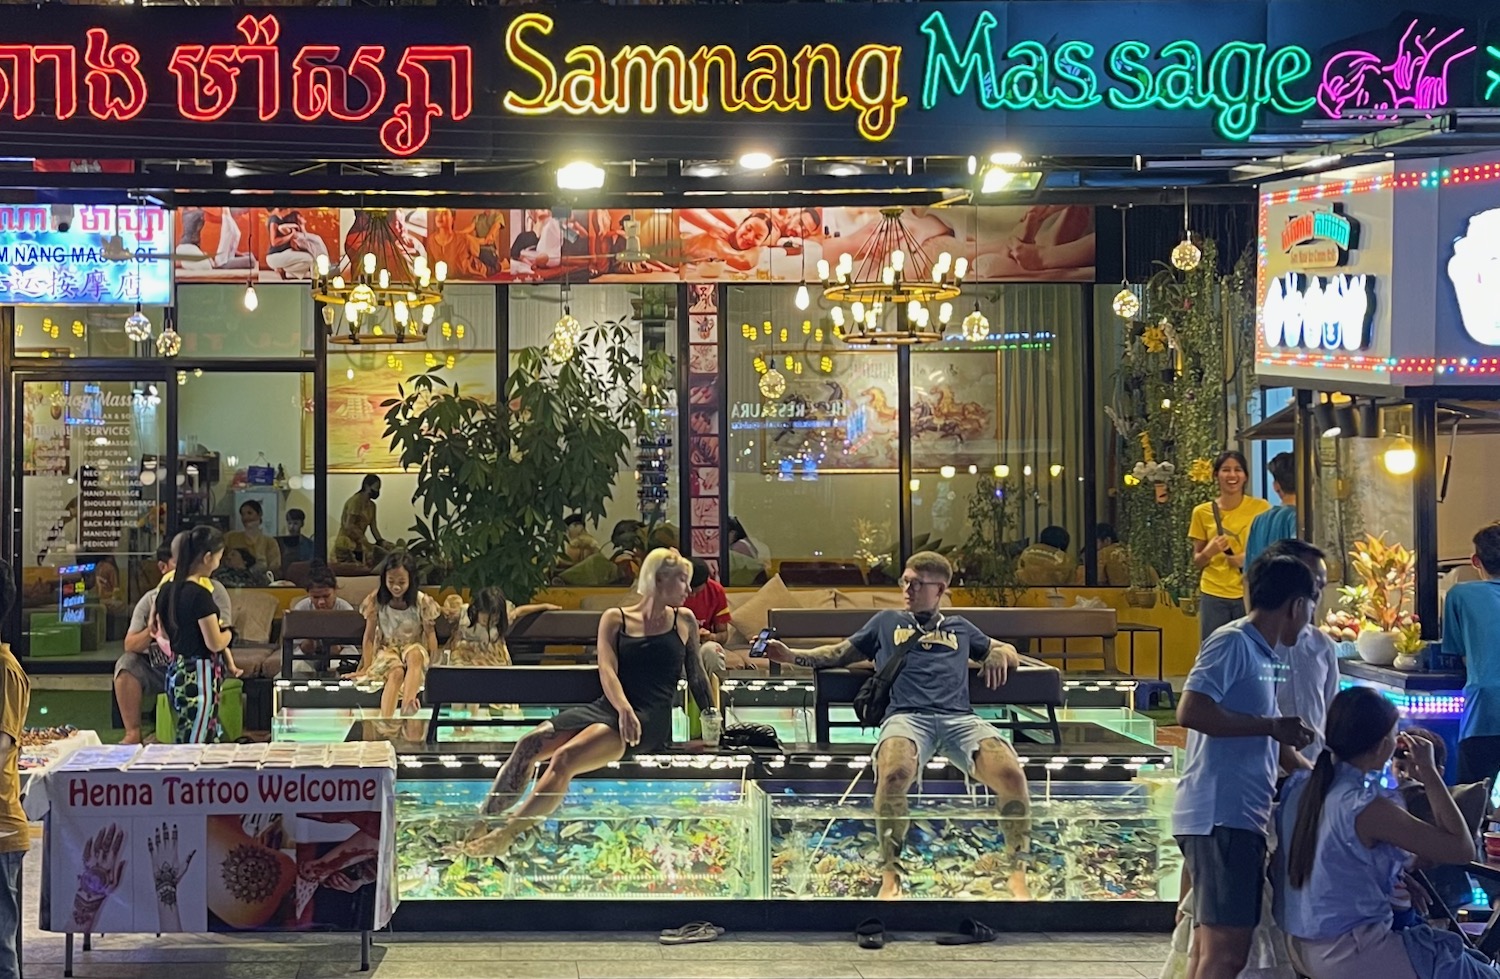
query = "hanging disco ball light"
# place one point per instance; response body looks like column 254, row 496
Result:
column 772, row 384
column 569, row 324
column 1186, row 256
column 138, row 326
column 976, row 326
column 169, row 343
column 1127, row 304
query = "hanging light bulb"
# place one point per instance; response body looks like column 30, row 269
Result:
column 945, row 313
column 427, row 315
column 252, row 301
column 803, row 299
column 1127, row 304
column 857, row 310
column 369, row 263
column 385, row 278
column 568, row 323
column 772, row 384
column 169, row 343
column 1002, row 471
column 562, row 347
column 322, row 264
column 947, row 472
column 976, row 325
column 138, row 325
column 1186, row 256
column 1400, row 459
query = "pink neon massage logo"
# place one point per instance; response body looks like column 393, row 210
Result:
column 1362, row 85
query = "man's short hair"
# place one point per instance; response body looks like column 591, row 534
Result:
column 931, row 562
column 320, row 575
column 1055, row 536
column 164, row 552
column 1299, row 549
column 1276, row 580
column 296, row 514
column 1487, row 548
column 700, row 574
column 1283, row 469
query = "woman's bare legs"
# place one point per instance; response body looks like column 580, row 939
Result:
column 594, row 747
column 535, row 747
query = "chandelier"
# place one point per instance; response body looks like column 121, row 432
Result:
column 378, row 293
column 889, row 283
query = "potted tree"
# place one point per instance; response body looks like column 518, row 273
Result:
column 496, row 481
column 1387, row 573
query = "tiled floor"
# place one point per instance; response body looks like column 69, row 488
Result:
column 589, row 956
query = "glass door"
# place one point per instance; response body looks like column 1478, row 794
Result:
column 89, row 509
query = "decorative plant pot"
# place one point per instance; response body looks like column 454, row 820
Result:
column 1408, row 662
column 1140, row 597
column 1189, row 606
column 1376, row 647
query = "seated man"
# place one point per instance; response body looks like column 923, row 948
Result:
column 322, row 596
column 295, row 547
column 930, row 710
column 708, row 603
column 141, row 673
column 1047, row 562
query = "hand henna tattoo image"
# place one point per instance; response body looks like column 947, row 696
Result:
column 102, row 871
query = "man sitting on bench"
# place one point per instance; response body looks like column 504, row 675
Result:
column 930, row 710
column 322, row 596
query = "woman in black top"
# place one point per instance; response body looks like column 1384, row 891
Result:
column 187, row 624
column 643, row 650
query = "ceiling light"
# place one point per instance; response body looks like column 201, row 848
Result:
column 947, row 472
column 235, row 170
column 1005, row 159
column 843, row 170
column 1323, row 161
column 705, row 170
column 995, row 180
column 757, row 160
column 580, row 175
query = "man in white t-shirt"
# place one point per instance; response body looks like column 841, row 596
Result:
column 322, row 596
column 1235, row 738
column 1311, row 679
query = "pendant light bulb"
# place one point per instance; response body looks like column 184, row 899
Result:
column 1400, row 459
column 772, row 384
column 803, row 299
column 252, row 301
column 1127, row 304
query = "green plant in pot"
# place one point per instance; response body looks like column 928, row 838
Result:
column 988, row 557
column 496, row 481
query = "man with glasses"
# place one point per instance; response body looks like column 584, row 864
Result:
column 930, row 710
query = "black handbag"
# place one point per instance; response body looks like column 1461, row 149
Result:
column 874, row 696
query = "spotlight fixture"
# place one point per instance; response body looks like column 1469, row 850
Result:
column 1367, row 420
column 580, row 175
column 756, row 160
column 1345, row 419
column 1325, row 423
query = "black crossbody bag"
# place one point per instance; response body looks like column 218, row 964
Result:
column 874, row 696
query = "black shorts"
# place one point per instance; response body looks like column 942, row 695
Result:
column 1228, row 868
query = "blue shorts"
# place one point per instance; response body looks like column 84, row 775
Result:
column 957, row 736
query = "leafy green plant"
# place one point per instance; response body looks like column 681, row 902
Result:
column 496, row 481
column 987, row 558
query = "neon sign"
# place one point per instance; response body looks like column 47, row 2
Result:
column 1318, row 312
column 1236, row 80
column 630, row 80
column 1318, row 239
column 1362, row 85
column 1474, row 270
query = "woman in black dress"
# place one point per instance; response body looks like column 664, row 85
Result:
column 643, row 651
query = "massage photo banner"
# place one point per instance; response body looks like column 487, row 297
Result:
column 198, row 849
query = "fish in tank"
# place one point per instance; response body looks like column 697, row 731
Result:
column 652, row 838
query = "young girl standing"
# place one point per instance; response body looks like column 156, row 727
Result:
column 399, row 637
column 189, row 619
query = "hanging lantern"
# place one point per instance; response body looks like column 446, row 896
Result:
column 1127, row 304
column 138, row 326
column 169, row 343
column 772, row 384
column 976, row 326
column 1186, row 256
column 569, row 325
column 562, row 346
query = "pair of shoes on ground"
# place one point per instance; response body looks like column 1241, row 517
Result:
column 692, row 933
column 870, row 934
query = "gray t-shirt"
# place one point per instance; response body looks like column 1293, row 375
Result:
column 935, row 679
column 141, row 616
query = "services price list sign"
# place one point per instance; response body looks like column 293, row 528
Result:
column 221, row 838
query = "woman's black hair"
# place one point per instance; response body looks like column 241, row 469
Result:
column 254, row 505
column 190, row 547
column 398, row 559
column 1358, row 719
column 1228, row 454
column 737, row 530
column 492, row 601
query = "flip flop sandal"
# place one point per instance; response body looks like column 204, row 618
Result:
column 970, row 932
column 870, row 933
column 692, row 933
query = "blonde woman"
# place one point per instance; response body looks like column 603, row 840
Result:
column 643, row 651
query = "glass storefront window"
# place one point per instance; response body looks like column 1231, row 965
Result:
column 215, row 323
column 92, row 514
column 813, row 469
column 64, row 332
column 650, row 313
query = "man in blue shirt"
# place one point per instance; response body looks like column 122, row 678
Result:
column 1471, row 618
column 929, row 709
column 1279, row 522
column 1235, row 736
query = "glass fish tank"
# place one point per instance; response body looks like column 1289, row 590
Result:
column 666, row 838
column 1089, row 841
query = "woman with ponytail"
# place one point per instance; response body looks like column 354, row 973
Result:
column 188, row 619
column 1344, row 843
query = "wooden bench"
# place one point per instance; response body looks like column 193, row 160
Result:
column 1034, row 684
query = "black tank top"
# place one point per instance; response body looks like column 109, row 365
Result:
column 650, row 666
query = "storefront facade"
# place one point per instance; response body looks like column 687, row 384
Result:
column 454, row 123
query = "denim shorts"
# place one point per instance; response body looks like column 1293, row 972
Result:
column 957, row 736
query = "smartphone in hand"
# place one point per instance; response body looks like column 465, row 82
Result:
column 758, row 648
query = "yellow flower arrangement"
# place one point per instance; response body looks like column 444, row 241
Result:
column 1201, row 471
column 1155, row 339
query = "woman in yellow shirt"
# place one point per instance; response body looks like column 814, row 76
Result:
column 1218, row 533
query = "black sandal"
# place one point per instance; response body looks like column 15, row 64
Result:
column 970, row 932
column 870, row 933
column 692, row 933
